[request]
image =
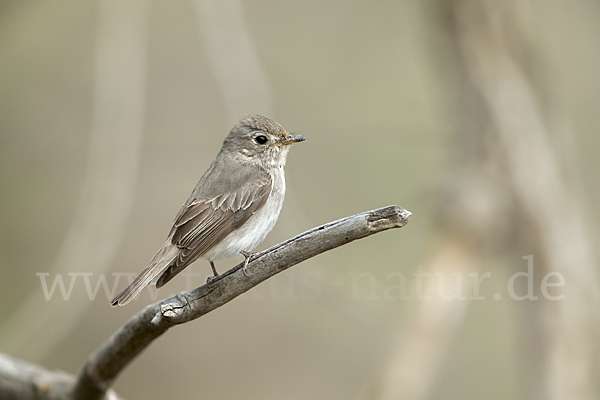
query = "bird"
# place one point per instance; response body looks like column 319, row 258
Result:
column 232, row 208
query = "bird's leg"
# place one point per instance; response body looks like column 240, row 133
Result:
column 247, row 256
column 212, row 265
column 210, row 278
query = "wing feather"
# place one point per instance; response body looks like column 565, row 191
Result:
column 204, row 223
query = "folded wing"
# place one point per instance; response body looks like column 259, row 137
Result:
column 198, row 227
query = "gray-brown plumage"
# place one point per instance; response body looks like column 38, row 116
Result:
column 232, row 208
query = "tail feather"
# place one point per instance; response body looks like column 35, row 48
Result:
column 169, row 273
column 159, row 262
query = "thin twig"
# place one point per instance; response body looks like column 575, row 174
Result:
column 110, row 359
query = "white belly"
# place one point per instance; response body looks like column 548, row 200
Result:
column 256, row 229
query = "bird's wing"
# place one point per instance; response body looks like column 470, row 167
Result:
column 203, row 223
column 200, row 225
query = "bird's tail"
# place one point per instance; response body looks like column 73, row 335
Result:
column 159, row 262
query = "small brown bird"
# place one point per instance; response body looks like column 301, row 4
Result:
column 232, row 208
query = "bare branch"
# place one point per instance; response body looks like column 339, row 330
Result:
column 108, row 361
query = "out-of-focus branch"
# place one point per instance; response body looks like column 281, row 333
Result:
column 553, row 220
column 504, row 165
column 20, row 380
column 108, row 189
column 109, row 360
column 469, row 211
column 415, row 361
column 233, row 58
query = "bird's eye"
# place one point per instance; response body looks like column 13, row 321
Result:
column 261, row 139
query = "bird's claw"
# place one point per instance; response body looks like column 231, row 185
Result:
column 247, row 256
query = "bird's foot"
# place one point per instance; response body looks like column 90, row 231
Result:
column 247, row 256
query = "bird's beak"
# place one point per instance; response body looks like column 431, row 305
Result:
column 291, row 140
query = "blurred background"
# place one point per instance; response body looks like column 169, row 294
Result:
column 478, row 116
